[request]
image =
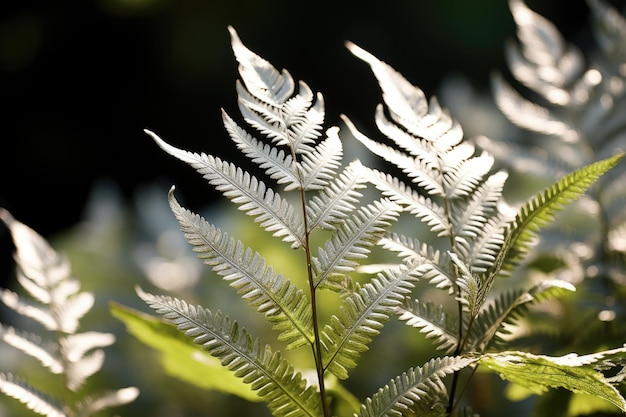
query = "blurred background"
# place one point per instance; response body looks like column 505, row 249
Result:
column 80, row 80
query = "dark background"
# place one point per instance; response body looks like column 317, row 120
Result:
column 80, row 80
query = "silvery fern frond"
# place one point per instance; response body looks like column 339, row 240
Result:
column 577, row 113
column 282, row 303
column 59, row 305
column 273, row 212
column 285, row 391
column 361, row 317
column 29, row 396
column 417, row 391
column 352, row 240
column 333, row 203
column 433, row 321
column 455, row 194
column 435, row 266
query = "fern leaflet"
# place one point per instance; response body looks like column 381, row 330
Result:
column 285, row 391
column 283, row 304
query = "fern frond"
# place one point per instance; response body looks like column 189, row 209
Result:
column 424, row 208
column 285, row 391
column 434, row 264
column 283, row 303
column 546, row 63
column 318, row 167
column 261, row 78
column 431, row 320
column 409, row 107
column 418, row 170
column 539, row 210
column 58, row 305
column 362, row 316
column 489, row 326
column 32, row 398
column 277, row 164
column 351, row 241
column 33, row 346
column 271, row 106
column 337, row 199
column 96, row 403
column 45, row 274
column 528, row 115
column 273, row 212
column 417, row 390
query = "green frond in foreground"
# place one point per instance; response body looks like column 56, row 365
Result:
column 579, row 374
column 539, row 210
column 252, row 196
column 283, row 303
column 285, row 392
column 412, row 392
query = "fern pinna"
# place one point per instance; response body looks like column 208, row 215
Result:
column 449, row 189
column 57, row 304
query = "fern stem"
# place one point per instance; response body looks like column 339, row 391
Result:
column 316, row 346
column 459, row 347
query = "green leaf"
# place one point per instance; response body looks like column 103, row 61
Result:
column 180, row 357
column 538, row 373
column 540, row 210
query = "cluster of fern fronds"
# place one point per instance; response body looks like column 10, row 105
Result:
column 309, row 196
column 333, row 216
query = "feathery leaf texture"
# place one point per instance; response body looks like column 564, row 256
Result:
column 274, row 213
column 351, row 241
column 285, row 391
column 457, row 196
column 58, row 305
column 448, row 184
column 29, row 396
column 490, row 324
column 432, row 320
column 361, row 317
column 412, row 392
column 283, row 304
